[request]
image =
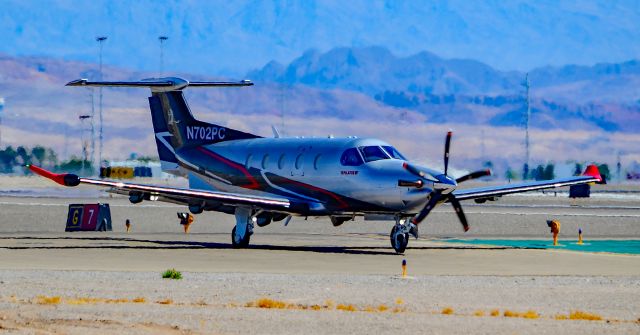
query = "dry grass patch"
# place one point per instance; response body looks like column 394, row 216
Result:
column 165, row 302
column 526, row 315
column 347, row 308
column 579, row 315
column 329, row 305
column 44, row 300
column 267, row 303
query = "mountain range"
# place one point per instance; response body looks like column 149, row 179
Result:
column 577, row 112
column 605, row 96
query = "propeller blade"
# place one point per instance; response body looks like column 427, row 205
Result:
column 474, row 175
column 447, row 145
column 434, row 197
column 456, row 205
column 417, row 172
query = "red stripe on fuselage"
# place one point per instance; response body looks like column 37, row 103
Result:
column 343, row 204
column 253, row 182
column 255, row 185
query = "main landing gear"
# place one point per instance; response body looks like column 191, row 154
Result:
column 400, row 234
column 241, row 233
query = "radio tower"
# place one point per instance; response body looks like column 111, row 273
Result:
column 525, row 172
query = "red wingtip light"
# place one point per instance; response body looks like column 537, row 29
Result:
column 404, row 165
column 65, row 179
column 593, row 171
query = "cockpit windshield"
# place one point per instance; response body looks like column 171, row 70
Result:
column 393, row 152
column 373, row 153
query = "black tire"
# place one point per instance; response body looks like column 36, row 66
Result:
column 243, row 243
column 399, row 242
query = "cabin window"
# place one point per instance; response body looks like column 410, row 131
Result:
column 316, row 161
column 281, row 162
column 265, row 160
column 393, row 152
column 373, row 153
column 351, row 157
column 247, row 163
column 299, row 162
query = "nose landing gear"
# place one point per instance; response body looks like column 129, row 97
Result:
column 399, row 235
column 399, row 239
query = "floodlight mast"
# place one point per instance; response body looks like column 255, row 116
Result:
column 162, row 39
column 100, row 40
column 526, row 130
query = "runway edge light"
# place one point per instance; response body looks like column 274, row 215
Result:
column 580, row 236
column 404, row 268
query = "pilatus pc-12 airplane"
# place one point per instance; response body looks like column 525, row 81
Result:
column 261, row 180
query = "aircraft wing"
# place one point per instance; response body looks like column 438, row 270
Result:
column 488, row 192
column 170, row 194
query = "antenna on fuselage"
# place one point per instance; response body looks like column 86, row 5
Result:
column 276, row 133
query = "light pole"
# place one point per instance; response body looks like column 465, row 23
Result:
column 162, row 39
column 1, row 107
column 100, row 40
column 525, row 172
column 83, row 143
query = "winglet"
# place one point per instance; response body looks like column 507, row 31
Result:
column 65, row 179
column 592, row 171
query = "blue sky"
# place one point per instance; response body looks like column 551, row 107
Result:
column 231, row 38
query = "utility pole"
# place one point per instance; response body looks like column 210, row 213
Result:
column 162, row 39
column 619, row 168
column 100, row 40
column 93, row 129
column 1, row 108
column 525, row 173
column 83, row 142
column 482, row 148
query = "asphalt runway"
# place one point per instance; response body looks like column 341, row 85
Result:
column 32, row 237
column 87, row 282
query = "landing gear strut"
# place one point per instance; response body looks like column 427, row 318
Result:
column 400, row 234
column 241, row 233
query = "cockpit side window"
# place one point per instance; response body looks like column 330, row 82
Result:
column 351, row 157
column 373, row 153
column 393, row 152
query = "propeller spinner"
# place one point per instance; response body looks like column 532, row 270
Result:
column 443, row 187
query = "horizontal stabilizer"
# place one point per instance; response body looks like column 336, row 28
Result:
column 161, row 84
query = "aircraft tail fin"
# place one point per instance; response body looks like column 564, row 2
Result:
column 174, row 126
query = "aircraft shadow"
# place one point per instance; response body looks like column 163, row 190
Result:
column 192, row 245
